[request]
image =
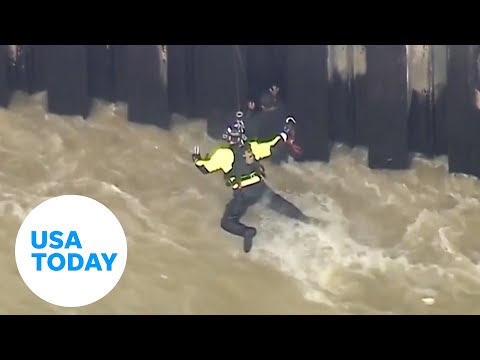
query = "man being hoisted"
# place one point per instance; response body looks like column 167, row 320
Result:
column 239, row 162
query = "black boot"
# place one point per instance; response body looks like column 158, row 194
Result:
column 248, row 236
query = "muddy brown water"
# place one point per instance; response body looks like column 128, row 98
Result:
column 391, row 239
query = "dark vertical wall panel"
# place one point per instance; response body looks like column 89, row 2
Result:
column 12, row 81
column 67, row 80
column 219, row 83
column 387, row 101
column 342, row 125
column 180, row 75
column 463, row 115
column 5, row 92
column 39, row 55
column 100, row 72
column 120, row 71
column 474, row 85
column 439, row 80
column 421, row 121
column 457, row 108
column 307, row 97
column 147, row 90
column 28, row 69
column 22, row 69
column 359, row 93
column 265, row 68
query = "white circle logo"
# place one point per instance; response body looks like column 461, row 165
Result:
column 71, row 251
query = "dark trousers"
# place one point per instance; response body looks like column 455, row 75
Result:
column 248, row 196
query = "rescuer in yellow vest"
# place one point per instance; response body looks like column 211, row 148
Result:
column 239, row 162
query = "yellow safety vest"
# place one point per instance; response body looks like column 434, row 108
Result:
column 223, row 158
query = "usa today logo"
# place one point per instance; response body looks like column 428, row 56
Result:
column 71, row 251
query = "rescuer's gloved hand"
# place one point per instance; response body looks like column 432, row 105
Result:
column 289, row 127
column 196, row 153
column 289, row 130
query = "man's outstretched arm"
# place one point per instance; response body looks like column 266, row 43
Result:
column 263, row 149
column 221, row 159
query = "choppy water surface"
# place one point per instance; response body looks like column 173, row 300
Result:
column 396, row 242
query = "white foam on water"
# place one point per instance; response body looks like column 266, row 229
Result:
column 320, row 257
column 390, row 240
